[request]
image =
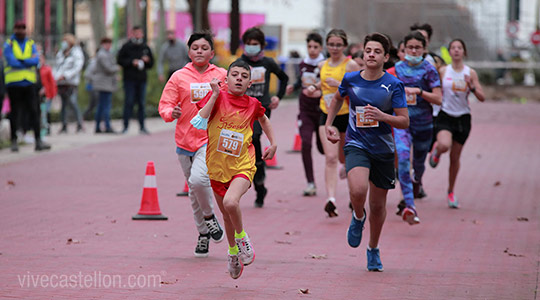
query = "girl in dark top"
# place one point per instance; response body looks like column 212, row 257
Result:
column 261, row 67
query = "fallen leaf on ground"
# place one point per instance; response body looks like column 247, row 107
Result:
column 523, row 219
column 303, row 291
column 507, row 251
column 113, row 221
column 73, row 241
column 296, row 232
column 497, row 183
column 315, row 256
column 476, row 222
column 169, row 282
column 11, row 183
column 99, row 233
column 283, row 242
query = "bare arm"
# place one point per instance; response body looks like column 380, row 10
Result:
column 267, row 128
column 476, row 87
column 400, row 120
column 207, row 109
column 331, row 134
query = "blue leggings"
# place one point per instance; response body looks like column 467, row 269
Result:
column 420, row 140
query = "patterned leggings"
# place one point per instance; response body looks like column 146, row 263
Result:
column 420, row 140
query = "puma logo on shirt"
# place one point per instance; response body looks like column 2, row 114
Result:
column 386, row 87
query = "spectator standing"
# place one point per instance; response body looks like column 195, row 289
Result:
column 135, row 57
column 67, row 73
column 47, row 92
column 104, row 83
column 175, row 53
column 20, row 72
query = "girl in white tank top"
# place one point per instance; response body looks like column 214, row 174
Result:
column 456, row 91
column 453, row 127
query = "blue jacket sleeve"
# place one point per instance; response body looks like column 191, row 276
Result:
column 10, row 58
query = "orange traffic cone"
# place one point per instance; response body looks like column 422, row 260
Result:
column 297, row 147
column 185, row 192
column 149, row 203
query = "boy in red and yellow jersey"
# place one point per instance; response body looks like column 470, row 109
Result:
column 228, row 115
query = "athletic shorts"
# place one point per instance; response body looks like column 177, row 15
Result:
column 382, row 172
column 460, row 127
column 221, row 188
column 340, row 122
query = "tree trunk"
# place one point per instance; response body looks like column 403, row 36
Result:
column 235, row 26
column 97, row 19
column 202, row 19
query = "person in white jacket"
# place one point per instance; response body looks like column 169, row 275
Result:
column 69, row 64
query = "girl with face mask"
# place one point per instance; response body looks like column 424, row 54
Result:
column 422, row 88
column 261, row 68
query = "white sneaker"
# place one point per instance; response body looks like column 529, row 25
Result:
column 235, row 266
column 310, row 190
column 246, row 254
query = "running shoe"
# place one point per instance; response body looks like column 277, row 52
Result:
column 202, row 245
column 374, row 263
column 452, row 201
column 310, row 190
column 261, row 194
column 418, row 190
column 215, row 230
column 400, row 207
column 331, row 209
column 354, row 233
column 246, row 254
column 235, row 266
column 410, row 216
column 434, row 158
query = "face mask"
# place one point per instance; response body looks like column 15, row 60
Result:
column 414, row 59
column 252, row 50
column 63, row 45
column 137, row 41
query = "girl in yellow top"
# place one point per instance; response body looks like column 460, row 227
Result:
column 332, row 71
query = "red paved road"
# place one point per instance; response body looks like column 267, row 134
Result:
column 481, row 251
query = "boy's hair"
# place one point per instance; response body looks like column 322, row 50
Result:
column 415, row 35
column 105, row 40
column 340, row 33
column 207, row 35
column 254, row 33
column 314, row 36
column 136, row 27
column 426, row 27
column 359, row 53
column 379, row 38
column 240, row 63
column 462, row 44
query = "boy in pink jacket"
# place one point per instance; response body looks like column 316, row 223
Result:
column 184, row 89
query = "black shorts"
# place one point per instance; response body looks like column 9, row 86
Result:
column 382, row 172
column 460, row 127
column 340, row 122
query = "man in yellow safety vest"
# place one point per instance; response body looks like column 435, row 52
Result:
column 22, row 59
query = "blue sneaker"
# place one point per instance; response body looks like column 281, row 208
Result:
column 374, row 260
column 354, row 233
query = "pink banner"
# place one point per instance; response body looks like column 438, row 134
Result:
column 219, row 22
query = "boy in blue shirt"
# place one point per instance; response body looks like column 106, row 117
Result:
column 376, row 104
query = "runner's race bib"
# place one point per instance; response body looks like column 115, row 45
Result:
column 198, row 91
column 411, row 99
column 361, row 121
column 459, row 85
column 230, row 142
column 257, row 75
column 308, row 78
column 328, row 99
